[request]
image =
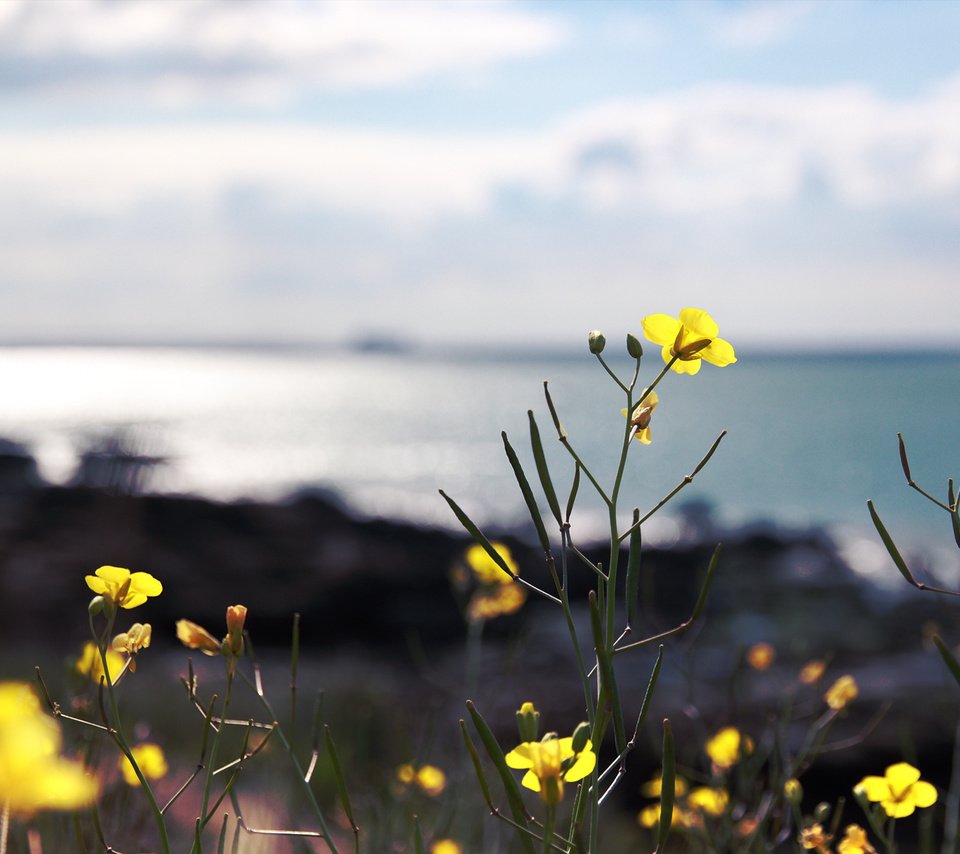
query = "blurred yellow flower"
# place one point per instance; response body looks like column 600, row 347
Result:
column 708, row 800
column 900, row 791
column 855, row 841
column 90, row 664
column 406, row 773
column 842, row 692
column 652, row 787
column 550, row 762
column 812, row 672
column 642, row 413
column 728, row 747
column 33, row 774
column 496, row 600
column 815, row 837
column 760, row 656
column 446, row 846
column 432, row 780
column 793, row 791
column 149, row 757
column 197, row 637
column 485, row 568
column 691, row 338
column 650, row 817
column 137, row 637
column 122, row 587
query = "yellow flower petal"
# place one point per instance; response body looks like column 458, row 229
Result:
column 924, row 794
column 681, row 366
column 584, row 765
column 701, row 324
column 661, row 329
column 719, row 353
column 521, row 756
column 875, row 788
column 531, row 781
column 901, row 777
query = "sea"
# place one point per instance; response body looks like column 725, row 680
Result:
column 809, row 437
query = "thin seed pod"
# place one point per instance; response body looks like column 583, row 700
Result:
column 574, row 488
column 648, row 694
column 553, row 413
column 338, row 774
column 633, row 570
column 514, row 798
column 954, row 511
column 477, row 535
column 542, row 469
column 418, row 843
column 477, row 767
column 608, row 678
column 222, row 839
column 524, row 485
column 904, row 463
column 667, row 784
column 948, row 658
column 891, row 546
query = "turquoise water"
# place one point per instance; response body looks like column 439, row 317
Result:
column 810, row 438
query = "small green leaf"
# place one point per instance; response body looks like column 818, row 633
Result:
column 524, row 485
column 948, row 658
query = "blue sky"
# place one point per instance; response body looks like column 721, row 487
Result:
column 495, row 172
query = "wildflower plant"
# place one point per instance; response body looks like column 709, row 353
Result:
column 612, row 604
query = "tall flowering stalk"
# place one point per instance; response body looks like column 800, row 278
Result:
column 686, row 342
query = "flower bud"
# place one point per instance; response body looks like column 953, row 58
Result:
column 634, row 347
column 528, row 722
column 96, row 606
column 596, row 340
column 236, row 615
column 793, row 791
column 581, row 737
column 822, row 811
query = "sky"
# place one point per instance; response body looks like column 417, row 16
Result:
column 500, row 173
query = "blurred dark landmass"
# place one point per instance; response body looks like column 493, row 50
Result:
column 377, row 593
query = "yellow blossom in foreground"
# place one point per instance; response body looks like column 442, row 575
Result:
column 728, row 747
column 691, row 338
column 708, row 800
column 446, row 846
column 855, row 841
column 197, row 637
column 150, row 759
column 33, row 775
column 496, row 600
column 486, row 569
column 812, row 672
column 842, row 692
column 816, row 838
column 900, row 791
column 550, row 763
column 760, row 656
column 432, row 780
column 122, row 587
column 90, row 664
column 642, row 413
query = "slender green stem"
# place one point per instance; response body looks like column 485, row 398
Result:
column 613, row 376
column 212, row 758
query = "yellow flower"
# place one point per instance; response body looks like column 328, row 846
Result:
column 900, row 791
column 90, row 664
column 552, row 761
column 855, row 841
column 197, row 637
column 137, row 637
column 793, row 791
column 236, row 616
column 815, row 837
column 33, row 774
column 123, row 588
column 406, row 773
column 432, row 780
column 691, row 339
column 495, row 600
column 650, row 817
column 760, row 656
column 728, row 747
column 149, row 757
column 642, row 413
column 485, row 568
column 708, row 800
column 812, row 672
column 446, row 846
column 842, row 692
column 652, row 787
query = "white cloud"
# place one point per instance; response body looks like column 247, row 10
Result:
column 757, row 24
column 196, row 49
column 706, row 150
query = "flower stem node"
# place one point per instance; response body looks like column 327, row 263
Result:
column 596, row 340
